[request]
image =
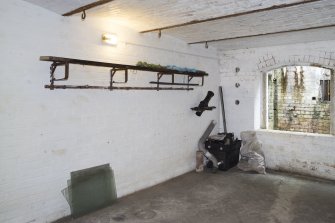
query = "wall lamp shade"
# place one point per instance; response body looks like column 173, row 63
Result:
column 110, row 39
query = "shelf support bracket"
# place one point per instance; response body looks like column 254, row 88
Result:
column 159, row 76
column 189, row 78
column 112, row 73
column 53, row 68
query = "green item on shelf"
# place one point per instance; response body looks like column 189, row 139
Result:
column 170, row 67
column 149, row 65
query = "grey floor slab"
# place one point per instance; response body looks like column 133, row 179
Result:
column 229, row 197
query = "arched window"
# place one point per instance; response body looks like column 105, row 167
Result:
column 298, row 99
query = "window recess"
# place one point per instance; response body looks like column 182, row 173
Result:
column 299, row 99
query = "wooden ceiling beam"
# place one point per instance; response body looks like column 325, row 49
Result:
column 263, row 34
column 86, row 7
column 232, row 15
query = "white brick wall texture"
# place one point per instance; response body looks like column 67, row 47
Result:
column 277, row 39
column 61, row 6
column 310, row 154
column 149, row 14
column 147, row 136
column 292, row 18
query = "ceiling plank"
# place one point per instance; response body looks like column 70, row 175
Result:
column 232, row 15
column 86, row 7
column 263, row 34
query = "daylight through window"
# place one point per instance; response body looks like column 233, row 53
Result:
column 299, row 99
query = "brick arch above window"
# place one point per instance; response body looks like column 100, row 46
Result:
column 270, row 62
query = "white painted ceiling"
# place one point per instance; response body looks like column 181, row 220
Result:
column 61, row 6
column 150, row 14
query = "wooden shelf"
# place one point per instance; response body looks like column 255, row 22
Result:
column 61, row 61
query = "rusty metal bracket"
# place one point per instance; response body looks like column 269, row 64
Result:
column 113, row 72
column 60, row 61
column 125, row 75
column 53, row 68
column 159, row 76
column 189, row 78
column 168, row 83
column 113, row 88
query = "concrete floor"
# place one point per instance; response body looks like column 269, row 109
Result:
column 228, row 197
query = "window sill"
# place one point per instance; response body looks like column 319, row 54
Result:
column 294, row 133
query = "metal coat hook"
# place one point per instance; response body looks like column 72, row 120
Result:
column 83, row 15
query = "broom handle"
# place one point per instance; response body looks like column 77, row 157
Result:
column 223, row 111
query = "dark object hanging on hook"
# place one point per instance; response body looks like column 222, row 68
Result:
column 83, row 15
column 159, row 33
column 206, row 45
column 203, row 106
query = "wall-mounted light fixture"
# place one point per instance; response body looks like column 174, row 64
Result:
column 110, row 39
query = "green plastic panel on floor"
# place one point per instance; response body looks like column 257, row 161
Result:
column 90, row 189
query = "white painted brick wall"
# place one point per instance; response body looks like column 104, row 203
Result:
column 146, row 136
column 297, row 152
